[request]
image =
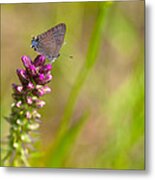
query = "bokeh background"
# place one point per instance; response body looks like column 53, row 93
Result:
column 100, row 105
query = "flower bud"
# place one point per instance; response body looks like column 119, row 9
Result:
column 30, row 86
column 39, row 103
column 28, row 115
column 48, row 78
column 45, row 69
column 36, row 115
column 39, row 79
column 33, row 126
column 23, row 77
column 39, row 60
column 18, row 104
column 32, row 70
column 26, row 61
column 40, row 91
column 46, row 89
column 17, row 88
column 29, row 100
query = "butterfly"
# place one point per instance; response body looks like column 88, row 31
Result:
column 50, row 42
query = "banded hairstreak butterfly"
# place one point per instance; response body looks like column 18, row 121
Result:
column 50, row 42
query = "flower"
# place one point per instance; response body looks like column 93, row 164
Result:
column 36, row 70
column 39, row 61
column 24, row 117
column 41, row 90
column 23, row 76
column 17, row 88
column 45, row 69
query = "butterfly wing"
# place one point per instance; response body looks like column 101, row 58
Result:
column 50, row 42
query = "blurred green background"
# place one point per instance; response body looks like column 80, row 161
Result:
column 94, row 117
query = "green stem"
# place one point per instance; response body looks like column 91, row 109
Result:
column 91, row 58
column 88, row 65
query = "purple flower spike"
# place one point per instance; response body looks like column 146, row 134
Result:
column 45, row 69
column 39, row 60
column 26, row 61
column 22, row 76
column 24, row 117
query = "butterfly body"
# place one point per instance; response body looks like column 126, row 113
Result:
column 50, row 42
